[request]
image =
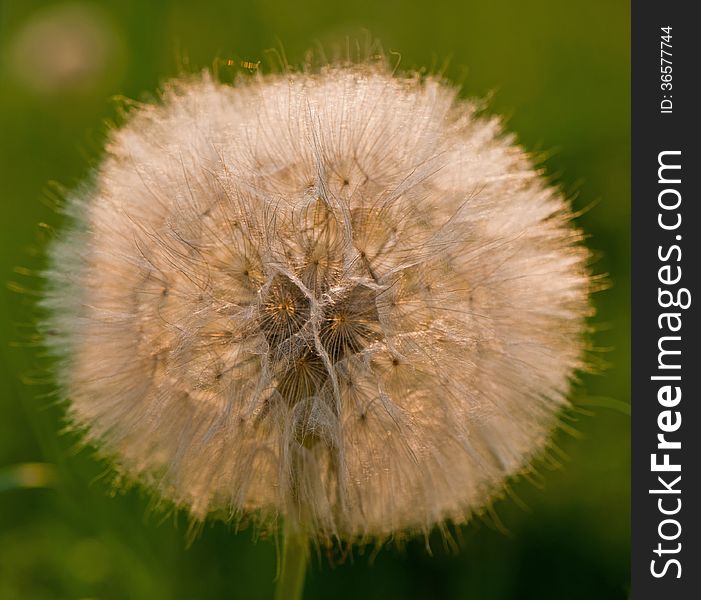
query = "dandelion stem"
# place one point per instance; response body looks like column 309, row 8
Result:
column 295, row 554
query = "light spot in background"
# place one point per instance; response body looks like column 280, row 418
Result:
column 89, row 560
column 69, row 49
column 27, row 475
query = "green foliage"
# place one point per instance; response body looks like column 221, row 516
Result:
column 559, row 70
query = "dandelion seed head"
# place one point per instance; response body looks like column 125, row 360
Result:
column 343, row 295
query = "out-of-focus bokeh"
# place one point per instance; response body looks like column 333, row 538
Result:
column 559, row 72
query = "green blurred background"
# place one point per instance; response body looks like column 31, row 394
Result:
column 559, row 72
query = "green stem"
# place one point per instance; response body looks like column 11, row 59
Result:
column 295, row 554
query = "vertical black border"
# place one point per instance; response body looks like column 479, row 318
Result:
column 654, row 132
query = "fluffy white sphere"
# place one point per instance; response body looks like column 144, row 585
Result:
column 342, row 296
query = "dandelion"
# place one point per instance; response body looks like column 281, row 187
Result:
column 341, row 296
column 66, row 49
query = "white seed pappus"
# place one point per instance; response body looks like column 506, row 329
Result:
column 343, row 296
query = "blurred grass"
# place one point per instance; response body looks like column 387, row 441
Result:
column 558, row 71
